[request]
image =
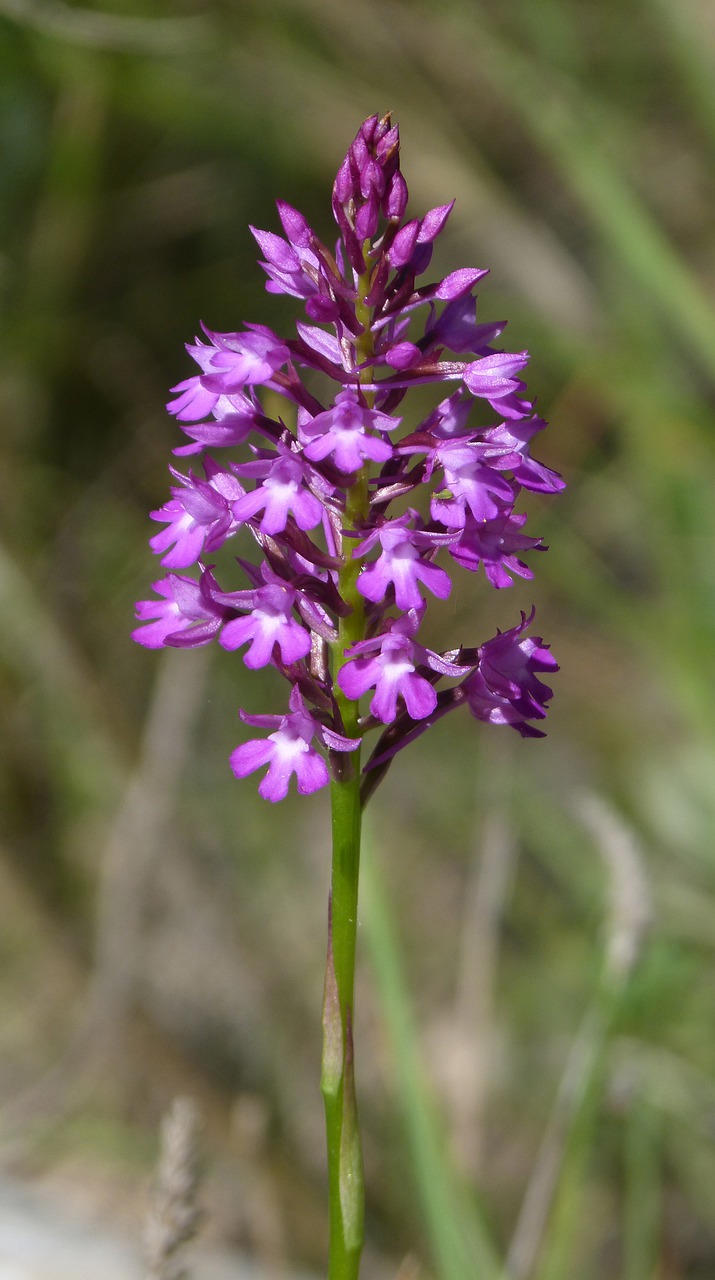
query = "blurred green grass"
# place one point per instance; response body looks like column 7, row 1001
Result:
column 137, row 142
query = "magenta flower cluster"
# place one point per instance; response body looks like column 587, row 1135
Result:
column 326, row 490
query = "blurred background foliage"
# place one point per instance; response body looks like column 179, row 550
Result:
column 536, row 1024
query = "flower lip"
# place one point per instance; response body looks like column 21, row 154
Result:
column 346, row 433
column 388, row 663
column 288, row 750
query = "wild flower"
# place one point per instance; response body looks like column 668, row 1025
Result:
column 349, row 504
column 325, row 499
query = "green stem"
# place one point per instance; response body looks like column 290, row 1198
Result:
column 337, row 1081
column 345, row 1176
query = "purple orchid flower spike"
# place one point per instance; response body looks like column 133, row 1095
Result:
column 346, row 578
column 320, row 476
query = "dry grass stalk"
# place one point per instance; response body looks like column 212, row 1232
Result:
column 174, row 1216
